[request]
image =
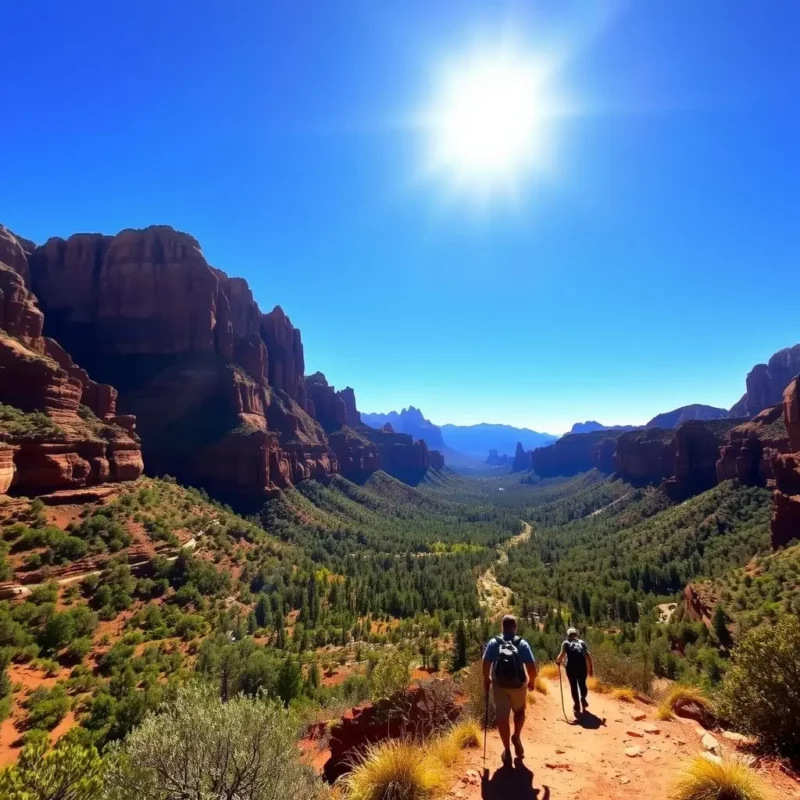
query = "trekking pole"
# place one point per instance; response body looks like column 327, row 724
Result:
column 485, row 725
column 561, row 686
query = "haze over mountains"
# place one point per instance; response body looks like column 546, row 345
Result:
column 474, row 441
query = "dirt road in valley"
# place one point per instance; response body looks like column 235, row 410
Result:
column 495, row 597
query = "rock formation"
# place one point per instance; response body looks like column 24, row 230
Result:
column 766, row 382
column 646, row 456
column 411, row 421
column 522, row 459
column 751, row 446
column 218, row 388
column 573, row 453
column 671, row 419
column 786, row 467
column 58, row 428
column 494, row 459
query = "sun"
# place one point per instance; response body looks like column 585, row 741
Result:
column 487, row 123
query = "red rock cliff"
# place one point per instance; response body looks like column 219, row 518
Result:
column 218, row 387
column 47, row 441
column 786, row 499
column 766, row 382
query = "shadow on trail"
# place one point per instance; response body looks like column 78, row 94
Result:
column 508, row 782
column 590, row 721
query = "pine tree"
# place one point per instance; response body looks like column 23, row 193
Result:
column 459, row 660
column 719, row 624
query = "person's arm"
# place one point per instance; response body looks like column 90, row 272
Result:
column 529, row 662
column 489, row 655
column 562, row 654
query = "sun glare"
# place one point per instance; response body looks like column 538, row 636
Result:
column 487, row 123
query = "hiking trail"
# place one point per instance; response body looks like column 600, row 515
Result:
column 493, row 596
column 596, row 758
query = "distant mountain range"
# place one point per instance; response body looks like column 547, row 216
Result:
column 590, row 426
column 471, row 441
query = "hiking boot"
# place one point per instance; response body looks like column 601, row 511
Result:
column 518, row 748
column 506, row 758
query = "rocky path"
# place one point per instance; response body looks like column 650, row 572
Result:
column 618, row 752
column 495, row 597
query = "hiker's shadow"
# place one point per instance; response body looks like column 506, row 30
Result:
column 590, row 721
column 508, row 782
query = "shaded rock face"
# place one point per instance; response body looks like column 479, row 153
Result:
column 766, row 382
column 573, row 453
column 699, row 608
column 697, row 449
column 64, row 447
column 496, row 460
column 351, row 413
column 645, row 456
column 785, row 524
column 604, row 455
column 522, row 459
column 751, row 447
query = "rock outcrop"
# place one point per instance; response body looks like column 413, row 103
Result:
column 522, row 459
column 58, row 428
column 646, row 456
column 766, row 382
column 494, row 459
column 411, row 421
column 573, row 453
column 785, row 523
column 748, row 455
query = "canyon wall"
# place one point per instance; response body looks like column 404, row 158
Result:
column 785, row 523
column 58, row 428
column 766, row 382
column 218, row 388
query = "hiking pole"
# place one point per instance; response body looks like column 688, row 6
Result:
column 561, row 686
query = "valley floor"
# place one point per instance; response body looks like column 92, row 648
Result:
column 566, row 761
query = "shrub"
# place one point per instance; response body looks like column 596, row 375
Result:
column 47, row 707
column 390, row 675
column 618, row 669
column 541, row 686
column 476, row 697
column 761, row 692
column 703, row 779
column 681, row 696
column 395, row 770
column 623, row 693
column 69, row 771
column 444, row 749
column 199, row 746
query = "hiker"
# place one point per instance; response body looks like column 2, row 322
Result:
column 579, row 666
column 510, row 668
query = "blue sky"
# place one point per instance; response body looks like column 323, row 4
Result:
column 648, row 264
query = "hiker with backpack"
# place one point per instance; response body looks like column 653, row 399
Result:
column 510, row 669
column 579, row 667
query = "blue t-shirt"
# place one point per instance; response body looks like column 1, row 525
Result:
column 493, row 649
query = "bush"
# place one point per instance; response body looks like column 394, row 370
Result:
column 703, row 779
column 476, row 697
column 47, row 707
column 467, row 734
column 395, row 770
column 618, row 669
column 69, row 771
column 761, row 692
column 390, row 675
column 199, row 746
column 549, row 671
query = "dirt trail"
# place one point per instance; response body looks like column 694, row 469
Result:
column 495, row 597
column 588, row 760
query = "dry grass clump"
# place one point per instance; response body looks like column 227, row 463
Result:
column 467, row 734
column 624, row 693
column 540, row 685
column 549, row 671
column 679, row 696
column 395, row 770
column 594, row 684
column 445, row 750
column 704, row 779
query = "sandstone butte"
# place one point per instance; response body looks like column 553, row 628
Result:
column 215, row 388
column 786, row 468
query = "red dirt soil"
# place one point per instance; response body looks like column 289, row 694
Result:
column 567, row 761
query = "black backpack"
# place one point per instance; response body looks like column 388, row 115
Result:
column 576, row 654
column 508, row 670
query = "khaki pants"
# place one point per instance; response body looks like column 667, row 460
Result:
column 508, row 700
